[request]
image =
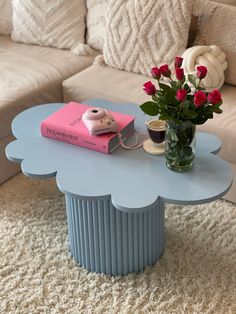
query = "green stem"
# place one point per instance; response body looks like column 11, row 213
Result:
column 154, row 97
column 198, row 84
column 169, row 106
column 180, row 107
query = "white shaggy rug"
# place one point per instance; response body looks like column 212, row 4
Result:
column 37, row 275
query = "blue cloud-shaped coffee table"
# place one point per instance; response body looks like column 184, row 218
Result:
column 115, row 203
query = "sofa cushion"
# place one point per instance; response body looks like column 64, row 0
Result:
column 224, row 125
column 5, row 17
column 141, row 34
column 232, row 2
column 58, row 23
column 107, row 83
column 96, row 22
column 121, row 86
column 217, row 25
column 194, row 22
column 31, row 75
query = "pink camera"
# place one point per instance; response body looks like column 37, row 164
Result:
column 99, row 121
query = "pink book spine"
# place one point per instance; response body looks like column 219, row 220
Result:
column 71, row 137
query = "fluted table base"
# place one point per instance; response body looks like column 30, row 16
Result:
column 106, row 240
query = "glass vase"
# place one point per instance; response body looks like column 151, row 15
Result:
column 180, row 145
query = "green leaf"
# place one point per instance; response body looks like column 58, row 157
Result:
column 209, row 115
column 192, row 79
column 165, row 116
column 151, row 108
column 188, row 89
column 201, row 88
column 186, row 104
column 218, row 104
column 190, row 114
column 173, row 84
column 217, row 110
column 165, row 87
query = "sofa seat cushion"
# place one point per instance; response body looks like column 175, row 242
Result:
column 31, row 75
column 121, row 86
column 105, row 82
column 224, row 125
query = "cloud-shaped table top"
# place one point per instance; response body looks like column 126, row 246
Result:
column 134, row 179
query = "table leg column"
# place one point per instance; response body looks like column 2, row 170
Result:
column 106, row 240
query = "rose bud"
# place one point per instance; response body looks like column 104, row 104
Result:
column 156, row 73
column 181, row 94
column 199, row 98
column 214, row 97
column 165, row 70
column 201, row 71
column 179, row 74
column 178, row 62
column 149, row 88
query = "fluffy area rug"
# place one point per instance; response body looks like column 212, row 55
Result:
column 196, row 274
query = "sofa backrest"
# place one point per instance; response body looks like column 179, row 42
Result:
column 231, row 2
column 194, row 22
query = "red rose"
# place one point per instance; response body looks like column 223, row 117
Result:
column 156, row 73
column 179, row 74
column 149, row 88
column 201, row 71
column 200, row 98
column 181, row 94
column 214, row 97
column 178, row 62
column 165, row 70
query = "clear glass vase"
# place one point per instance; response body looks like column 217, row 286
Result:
column 180, row 145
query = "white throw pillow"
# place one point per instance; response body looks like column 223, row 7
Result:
column 96, row 22
column 5, row 17
column 55, row 23
column 141, row 34
column 210, row 56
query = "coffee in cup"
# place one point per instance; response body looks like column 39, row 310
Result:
column 156, row 130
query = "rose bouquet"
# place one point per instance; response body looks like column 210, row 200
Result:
column 182, row 99
column 183, row 103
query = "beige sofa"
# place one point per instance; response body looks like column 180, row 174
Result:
column 30, row 75
column 34, row 75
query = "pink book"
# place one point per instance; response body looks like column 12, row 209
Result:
column 66, row 125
